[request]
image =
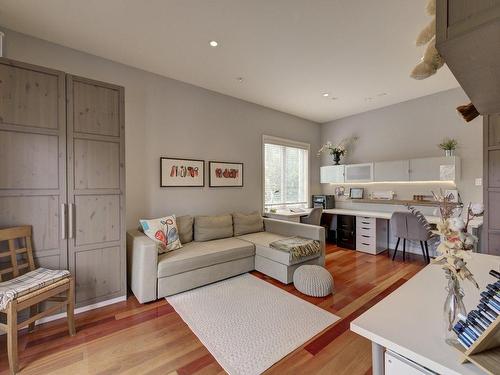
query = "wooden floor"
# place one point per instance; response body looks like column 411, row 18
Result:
column 130, row 338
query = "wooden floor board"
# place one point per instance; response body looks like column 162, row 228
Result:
column 130, row 338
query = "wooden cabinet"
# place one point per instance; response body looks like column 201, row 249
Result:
column 346, row 231
column 435, row 169
column 468, row 37
column 491, row 185
column 331, row 174
column 385, row 171
column 359, row 172
column 62, row 159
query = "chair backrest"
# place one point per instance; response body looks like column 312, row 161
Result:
column 398, row 224
column 314, row 217
column 417, row 229
column 17, row 242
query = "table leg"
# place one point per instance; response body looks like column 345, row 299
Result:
column 378, row 359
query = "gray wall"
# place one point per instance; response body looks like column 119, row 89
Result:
column 165, row 117
column 413, row 129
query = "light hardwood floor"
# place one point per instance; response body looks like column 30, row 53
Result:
column 130, row 338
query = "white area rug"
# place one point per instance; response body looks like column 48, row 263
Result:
column 248, row 324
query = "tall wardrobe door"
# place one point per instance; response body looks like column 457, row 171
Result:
column 33, row 157
column 491, row 182
column 96, row 187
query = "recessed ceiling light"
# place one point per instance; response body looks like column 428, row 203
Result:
column 213, row 43
column 326, row 94
column 240, row 79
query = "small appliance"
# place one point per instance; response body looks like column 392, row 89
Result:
column 323, row 201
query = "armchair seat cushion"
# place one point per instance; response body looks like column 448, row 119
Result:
column 262, row 241
column 28, row 283
column 196, row 255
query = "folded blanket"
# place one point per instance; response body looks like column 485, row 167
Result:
column 27, row 283
column 298, row 247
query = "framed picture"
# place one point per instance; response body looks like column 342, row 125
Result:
column 223, row 174
column 182, row 172
column 356, row 193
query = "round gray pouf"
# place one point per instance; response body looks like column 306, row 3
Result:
column 313, row 280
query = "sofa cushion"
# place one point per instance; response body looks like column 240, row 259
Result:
column 208, row 228
column 163, row 231
column 185, row 227
column 196, row 255
column 247, row 223
column 261, row 240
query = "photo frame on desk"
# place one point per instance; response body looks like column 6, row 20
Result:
column 356, row 193
column 225, row 174
column 182, row 172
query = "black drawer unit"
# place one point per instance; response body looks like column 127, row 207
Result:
column 346, row 231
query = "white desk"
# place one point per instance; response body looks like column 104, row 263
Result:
column 474, row 224
column 288, row 215
column 409, row 321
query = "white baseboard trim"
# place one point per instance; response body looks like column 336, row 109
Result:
column 82, row 309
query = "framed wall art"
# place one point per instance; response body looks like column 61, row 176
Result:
column 182, row 172
column 225, row 174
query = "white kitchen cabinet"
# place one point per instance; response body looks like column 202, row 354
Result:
column 398, row 170
column 332, row 174
column 435, row 169
column 359, row 172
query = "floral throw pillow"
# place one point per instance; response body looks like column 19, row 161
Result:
column 164, row 232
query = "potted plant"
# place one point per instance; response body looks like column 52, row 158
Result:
column 449, row 145
column 337, row 151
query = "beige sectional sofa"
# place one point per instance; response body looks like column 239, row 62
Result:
column 208, row 258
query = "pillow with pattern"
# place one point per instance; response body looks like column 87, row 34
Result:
column 164, row 232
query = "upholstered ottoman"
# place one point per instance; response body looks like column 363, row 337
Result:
column 313, row 280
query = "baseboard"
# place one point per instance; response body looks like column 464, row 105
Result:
column 82, row 309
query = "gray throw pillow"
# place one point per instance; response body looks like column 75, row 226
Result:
column 185, row 227
column 208, row 228
column 247, row 223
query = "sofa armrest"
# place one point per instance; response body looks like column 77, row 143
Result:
column 289, row 228
column 142, row 266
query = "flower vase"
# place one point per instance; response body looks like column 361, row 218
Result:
column 453, row 306
column 336, row 159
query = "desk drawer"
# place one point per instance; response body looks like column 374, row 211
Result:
column 366, row 245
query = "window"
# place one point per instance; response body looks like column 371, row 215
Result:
column 286, row 173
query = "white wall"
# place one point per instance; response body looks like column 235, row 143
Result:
column 165, row 117
column 413, row 129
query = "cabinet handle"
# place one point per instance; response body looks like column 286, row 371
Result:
column 71, row 224
column 364, row 222
column 366, row 244
column 64, row 217
column 365, row 228
column 365, row 236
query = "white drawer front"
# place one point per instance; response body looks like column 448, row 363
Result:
column 366, row 221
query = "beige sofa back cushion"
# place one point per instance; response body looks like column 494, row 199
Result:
column 247, row 223
column 208, row 228
column 185, row 227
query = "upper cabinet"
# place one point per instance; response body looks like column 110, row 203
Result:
column 398, row 170
column 435, row 169
column 413, row 170
column 331, row 174
column 468, row 38
column 359, row 172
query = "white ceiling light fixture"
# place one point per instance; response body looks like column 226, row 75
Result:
column 240, row 79
column 213, row 43
column 325, row 95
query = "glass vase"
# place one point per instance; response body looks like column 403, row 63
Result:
column 453, row 306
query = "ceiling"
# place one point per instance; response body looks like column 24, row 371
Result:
column 289, row 52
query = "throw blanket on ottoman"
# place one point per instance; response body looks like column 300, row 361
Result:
column 298, row 247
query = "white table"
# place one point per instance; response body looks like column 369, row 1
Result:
column 474, row 224
column 288, row 215
column 409, row 321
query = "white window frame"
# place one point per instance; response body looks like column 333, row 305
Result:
column 290, row 143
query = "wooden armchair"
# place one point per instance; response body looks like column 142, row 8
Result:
column 28, row 287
